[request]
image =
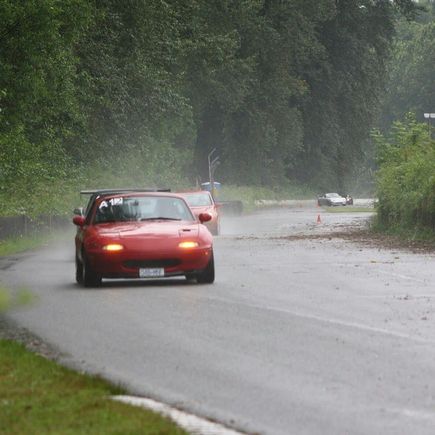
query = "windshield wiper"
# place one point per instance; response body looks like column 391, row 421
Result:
column 160, row 218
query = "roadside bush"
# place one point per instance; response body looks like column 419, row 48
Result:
column 406, row 177
column 30, row 173
column 40, row 179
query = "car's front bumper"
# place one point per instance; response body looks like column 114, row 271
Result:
column 128, row 265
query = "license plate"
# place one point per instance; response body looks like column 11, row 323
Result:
column 151, row 272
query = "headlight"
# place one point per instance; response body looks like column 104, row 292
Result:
column 113, row 247
column 187, row 245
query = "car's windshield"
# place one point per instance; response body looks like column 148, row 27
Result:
column 142, row 208
column 198, row 199
column 332, row 195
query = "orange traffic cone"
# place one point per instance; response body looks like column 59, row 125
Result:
column 319, row 221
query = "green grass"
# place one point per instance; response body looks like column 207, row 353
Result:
column 15, row 245
column 19, row 244
column 406, row 234
column 37, row 396
column 349, row 209
column 249, row 194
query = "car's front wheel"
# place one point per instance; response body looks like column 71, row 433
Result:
column 90, row 277
column 79, row 271
column 206, row 276
column 190, row 277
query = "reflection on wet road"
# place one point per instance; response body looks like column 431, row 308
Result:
column 309, row 334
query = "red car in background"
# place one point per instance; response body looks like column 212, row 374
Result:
column 141, row 235
column 202, row 202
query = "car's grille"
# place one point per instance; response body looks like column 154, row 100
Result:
column 166, row 262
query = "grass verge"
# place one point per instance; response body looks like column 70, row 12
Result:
column 415, row 235
column 15, row 245
column 38, row 396
column 249, row 194
column 349, row 209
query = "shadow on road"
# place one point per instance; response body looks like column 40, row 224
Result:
column 133, row 283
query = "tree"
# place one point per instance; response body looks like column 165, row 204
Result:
column 410, row 86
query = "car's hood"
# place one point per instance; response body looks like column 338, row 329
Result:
column 149, row 229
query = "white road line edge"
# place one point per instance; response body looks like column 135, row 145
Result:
column 401, row 276
column 331, row 321
column 191, row 423
column 414, row 413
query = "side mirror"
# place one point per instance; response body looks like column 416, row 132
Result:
column 79, row 211
column 79, row 220
column 204, row 217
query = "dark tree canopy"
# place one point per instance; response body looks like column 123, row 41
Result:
column 284, row 89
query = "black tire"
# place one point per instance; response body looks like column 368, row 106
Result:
column 190, row 276
column 90, row 277
column 206, row 276
column 79, row 271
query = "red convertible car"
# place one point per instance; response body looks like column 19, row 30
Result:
column 202, row 202
column 135, row 234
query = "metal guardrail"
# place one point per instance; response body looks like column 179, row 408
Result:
column 23, row 225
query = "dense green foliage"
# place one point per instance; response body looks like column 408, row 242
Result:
column 405, row 150
column 406, row 178
column 110, row 92
column 411, row 83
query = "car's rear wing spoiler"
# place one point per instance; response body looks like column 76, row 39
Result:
column 98, row 192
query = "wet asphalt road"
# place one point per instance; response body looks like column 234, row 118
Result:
column 305, row 336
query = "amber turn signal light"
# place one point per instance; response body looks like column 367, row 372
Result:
column 187, row 245
column 113, row 247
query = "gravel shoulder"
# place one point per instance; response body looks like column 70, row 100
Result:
column 10, row 330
